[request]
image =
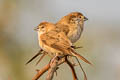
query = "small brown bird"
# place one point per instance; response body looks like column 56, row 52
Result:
column 72, row 24
column 55, row 42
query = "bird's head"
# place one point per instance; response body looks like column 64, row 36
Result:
column 44, row 27
column 73, row 18
column 76, row 18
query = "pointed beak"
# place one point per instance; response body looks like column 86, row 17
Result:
column 85, row 18
column 36, row 28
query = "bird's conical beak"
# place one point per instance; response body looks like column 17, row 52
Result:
column 85, row 18
column 36, row 28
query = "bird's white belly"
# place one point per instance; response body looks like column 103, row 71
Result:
column 75, row 35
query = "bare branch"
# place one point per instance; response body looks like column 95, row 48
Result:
column 72, row 68
column 41, row 72
column 46, row 68
column 53, row 67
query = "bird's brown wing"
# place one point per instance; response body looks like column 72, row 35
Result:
column 60, row 42
column 56, row 40
column 63, row 28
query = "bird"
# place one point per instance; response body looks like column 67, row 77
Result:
column 55, row 42
column 72, row 25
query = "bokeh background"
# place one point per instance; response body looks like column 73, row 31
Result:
column 100, row 39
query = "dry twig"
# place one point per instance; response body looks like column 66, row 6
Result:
column 72, row 68
column 46, row 68
column 53, row 67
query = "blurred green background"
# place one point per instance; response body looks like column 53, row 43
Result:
column 100, row 39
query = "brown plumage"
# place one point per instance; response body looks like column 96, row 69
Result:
column 74, row 23
column 56, row 43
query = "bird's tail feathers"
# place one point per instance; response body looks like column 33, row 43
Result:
column 79, row 56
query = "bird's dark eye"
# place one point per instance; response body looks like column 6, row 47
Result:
column 42, row 27
column 79, row 16
column 72, row 19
